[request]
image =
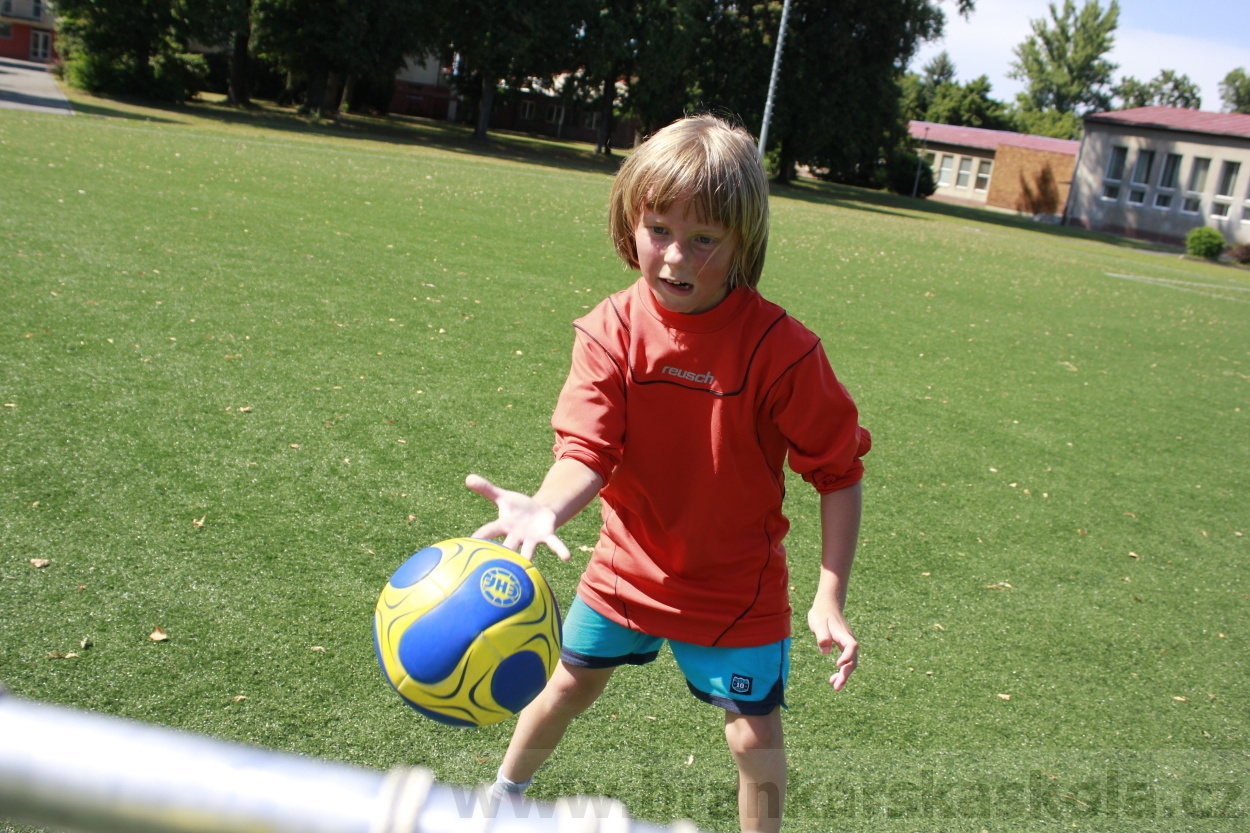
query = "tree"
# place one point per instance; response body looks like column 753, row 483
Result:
column 224, row 22
column 501, row 40
column 837, row 106
column 1167, row 89
column 1235, row 91
column 967, row 105
column 1062, row 63
column 330, row 42
column 121, row 46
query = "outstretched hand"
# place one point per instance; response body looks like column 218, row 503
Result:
column 830, row 628
column 523, row 522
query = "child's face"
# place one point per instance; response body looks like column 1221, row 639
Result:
column 684, row 259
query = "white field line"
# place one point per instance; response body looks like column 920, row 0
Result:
column 1187, row 286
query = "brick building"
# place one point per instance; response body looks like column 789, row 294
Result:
column 998, row 169
column 27, row 31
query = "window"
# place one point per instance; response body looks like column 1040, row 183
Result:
column 527, row 111
column 1115, row 173
column 1224, row 188
column 983, row 174
column 36, row 9
column 6, row 31
column 929, row 158
column 1196, row 184
column 590, row 121
column 40, row 45
column 555, row 114
column 944, row 172
column 1141, row 176
column 1198, row 175
column 965, row 172
column 6, row 6
column 1228, row 179
column 1167, row 179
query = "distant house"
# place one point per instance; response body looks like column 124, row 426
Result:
column 1158, row 172
column 422, row 88
column 27, row 31
column 997, row 168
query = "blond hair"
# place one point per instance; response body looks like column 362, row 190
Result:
column 717, row 168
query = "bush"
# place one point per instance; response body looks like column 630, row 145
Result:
column 899, row 174
column 1241, row 254
column 1205, row 241
column 172, row 76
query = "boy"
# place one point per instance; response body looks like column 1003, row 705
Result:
column 687, row 392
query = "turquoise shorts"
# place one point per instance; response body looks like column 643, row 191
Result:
column 749, row 681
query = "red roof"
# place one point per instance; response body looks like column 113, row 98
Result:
column 980, row 137
column 1177, row 118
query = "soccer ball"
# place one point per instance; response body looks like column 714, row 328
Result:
column 467, row 632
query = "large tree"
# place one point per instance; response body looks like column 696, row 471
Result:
column 1167, row 89
column 837, row 106
column 1063, row 63
column 1235, row 91
column 934, row 95
column 114, row 45
column 508, row 40
column 332, row 42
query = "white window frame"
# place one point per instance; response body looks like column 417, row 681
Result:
column 964, row 175
column 527, row 111
column 555, row 114
column 1139, row 180
column 1113, row 177
column 944, row 172
column 590, row 119
column 1195, row 184
column 1169, row 173
column 985, row 169
column 40, row 45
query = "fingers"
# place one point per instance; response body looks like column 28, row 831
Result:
column 491, row 530
column 483, row 487
column 557, row 546
column 847, row 663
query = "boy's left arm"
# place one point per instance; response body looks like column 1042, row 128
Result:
column 839, row 531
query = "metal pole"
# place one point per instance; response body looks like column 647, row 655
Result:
column 915, row 186
column 78, row 771
column 772, row 81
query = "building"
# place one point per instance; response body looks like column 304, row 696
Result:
column 998, row 169
column 27, row 31
column 422, row 88
column 1157, row 172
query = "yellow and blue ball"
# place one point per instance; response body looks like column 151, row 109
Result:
column 467, row 632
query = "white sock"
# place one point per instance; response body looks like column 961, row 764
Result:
column 511, row 786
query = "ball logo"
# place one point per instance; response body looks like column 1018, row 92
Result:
column 500, row 587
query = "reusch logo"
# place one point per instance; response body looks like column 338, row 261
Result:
column 688, row 375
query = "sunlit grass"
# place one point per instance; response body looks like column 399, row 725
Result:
column 246, row 362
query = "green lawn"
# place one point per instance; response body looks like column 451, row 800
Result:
column 246, row 363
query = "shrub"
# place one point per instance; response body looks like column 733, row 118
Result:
column 899, row 174
column 1241, row 254
column 1205, row 241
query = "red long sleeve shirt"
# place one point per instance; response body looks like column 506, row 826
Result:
column 689, row 419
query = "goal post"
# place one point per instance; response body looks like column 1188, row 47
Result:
column 73, row 770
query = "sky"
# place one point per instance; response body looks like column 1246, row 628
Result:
column 1203, row 39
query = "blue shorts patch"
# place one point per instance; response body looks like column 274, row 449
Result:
column 740, row 680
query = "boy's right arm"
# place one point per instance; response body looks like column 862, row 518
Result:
column 524, row 521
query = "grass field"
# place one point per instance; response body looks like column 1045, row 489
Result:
column 246, row 363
